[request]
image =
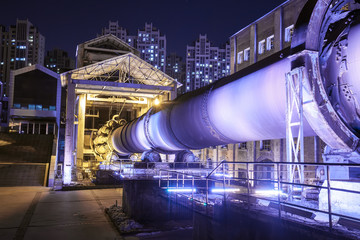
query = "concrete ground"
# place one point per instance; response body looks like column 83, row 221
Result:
column 39, row 213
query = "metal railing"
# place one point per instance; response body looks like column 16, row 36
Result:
column 266, row 184
column 127, row 168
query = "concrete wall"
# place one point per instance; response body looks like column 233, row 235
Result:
column 142, row 201
column 232, row 222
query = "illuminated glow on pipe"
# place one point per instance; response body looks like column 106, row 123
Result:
column 222, row 190
column 182, row 190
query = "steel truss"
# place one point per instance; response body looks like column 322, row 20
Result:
column 126, row 68
column 294, row 123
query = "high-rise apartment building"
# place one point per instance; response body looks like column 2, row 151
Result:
column 175, row 68
column 59, row 61
column 150, row 42
column 20, row 46
column 120, row 33
column 152, row 46
column 205, row 63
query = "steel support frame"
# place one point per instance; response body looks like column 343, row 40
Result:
column 127, row 68
column 294, row 123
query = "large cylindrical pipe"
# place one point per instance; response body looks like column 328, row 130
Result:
column 253, row 106
column 250, row 108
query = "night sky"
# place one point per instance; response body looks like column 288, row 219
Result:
column 68, row 23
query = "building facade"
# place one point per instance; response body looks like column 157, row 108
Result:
column 150, row 42
column 34, row 100
column 265, row 36
column 59, row 61
column 21, row 45
column 175, row 68
column 205, row 63
column 117, row 31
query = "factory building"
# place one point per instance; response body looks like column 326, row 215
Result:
column 34, row 100
column 111, row 84
column 240, row 152
column 266, row 36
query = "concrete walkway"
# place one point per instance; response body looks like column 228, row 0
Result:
column 39, row 213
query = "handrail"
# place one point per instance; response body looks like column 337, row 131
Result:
column 274, row 180
column 215, row 168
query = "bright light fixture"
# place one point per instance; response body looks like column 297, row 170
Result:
column 181, row 190
column 157, row 101
column 221, row 190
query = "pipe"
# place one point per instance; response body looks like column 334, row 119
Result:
column 252, row 107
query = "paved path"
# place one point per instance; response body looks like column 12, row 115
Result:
column 39, row 213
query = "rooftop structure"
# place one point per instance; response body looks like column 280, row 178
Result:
column 101, row 48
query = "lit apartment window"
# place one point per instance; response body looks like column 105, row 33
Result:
column 247, row 54
column 265, row 145
column 261, row 46
column 240, row 57
column 270, row 43
column 288, row 33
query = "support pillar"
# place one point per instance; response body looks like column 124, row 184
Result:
column 173, row 93
column 81, row 130
column 69, row 131
column 317, row 149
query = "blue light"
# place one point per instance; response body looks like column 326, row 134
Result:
column 183, row 190
column 222, row 190
column 163, row 176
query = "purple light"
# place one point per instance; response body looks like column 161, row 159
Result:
column 222, row 190
column 182, row 190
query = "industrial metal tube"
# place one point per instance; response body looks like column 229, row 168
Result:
column 248, row 109
column 253, row 107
